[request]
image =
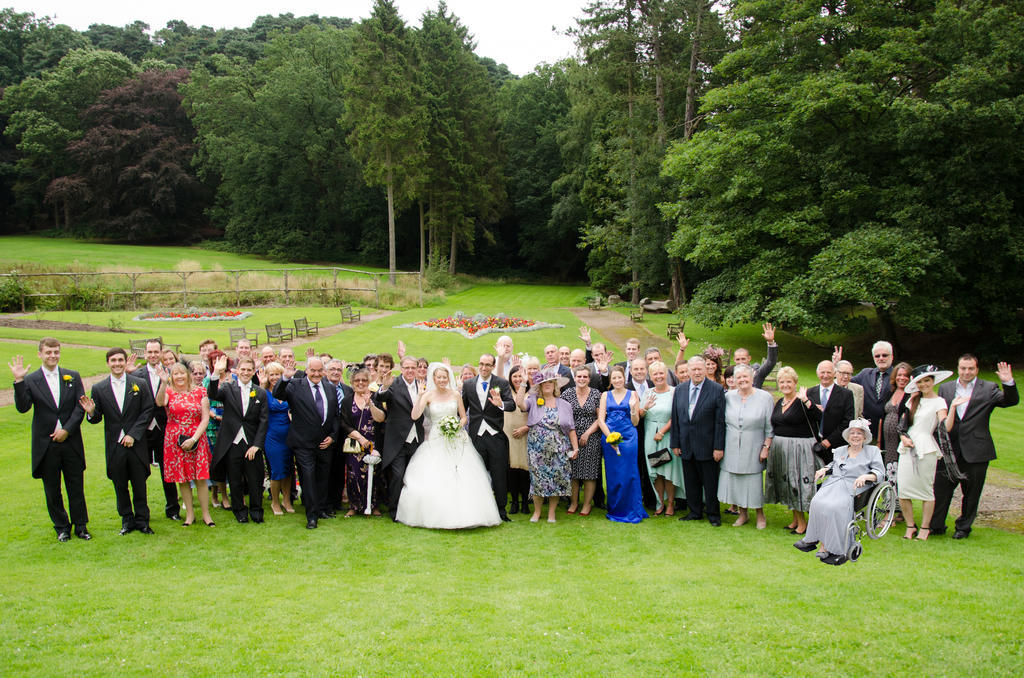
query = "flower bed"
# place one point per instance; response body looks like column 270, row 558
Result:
column 479, row 324
column 192, row 314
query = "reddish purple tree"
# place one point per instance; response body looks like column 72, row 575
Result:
column 135, row 179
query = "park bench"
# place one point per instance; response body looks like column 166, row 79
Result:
column 637, row 315
column 138, row 346
column 275, row 333
column 238, row 333
column 304, row 328
column 350, row 316
column 594, row 304
column 675, row 328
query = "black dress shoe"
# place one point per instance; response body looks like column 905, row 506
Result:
column 146, row 529
column 715, row 522
column 960, row 534
column 174, row 516
column 125, row 530
column 242, row 519
column 257, row 520
column 311, row 524
column 328, row 514
column 514, row 508
column 691, row 516
column 64, row 536
column 83, row 534
column 506, row 518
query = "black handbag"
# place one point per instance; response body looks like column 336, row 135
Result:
column 820, row 451
column 659, row 458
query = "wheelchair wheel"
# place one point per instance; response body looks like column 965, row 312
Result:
column 881, row 510
column 854, row 552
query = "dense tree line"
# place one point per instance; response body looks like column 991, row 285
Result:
column 796, row 161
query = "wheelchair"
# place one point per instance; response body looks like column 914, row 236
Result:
column 873, row 512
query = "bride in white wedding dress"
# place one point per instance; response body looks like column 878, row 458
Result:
column 446, row 483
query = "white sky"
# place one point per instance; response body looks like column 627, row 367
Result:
column 519, row 33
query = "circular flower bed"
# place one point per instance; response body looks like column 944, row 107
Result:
column 192, row 314
column 479, row 324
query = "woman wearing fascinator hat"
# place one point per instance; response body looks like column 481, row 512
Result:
column 919, row 449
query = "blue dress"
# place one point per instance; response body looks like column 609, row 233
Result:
column 279, row 455
column 625, row 499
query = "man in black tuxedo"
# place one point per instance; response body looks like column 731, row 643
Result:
column 53, row 393
column 150, row 373
column 487, row 398
column 836, row 406
column 698, row 437
column 403, row 434
column 875, row 380
column 240, row 439
column 971, row 401
column 125, row 406
column 313, row 402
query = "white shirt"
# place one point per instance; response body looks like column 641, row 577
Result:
column 117, row 386
column 53, row 381
column 313, row 388
column 154, row 384
column 482, row 393
column 240, row 436
column 413, row 396
column 962, row 390
column 694, row 394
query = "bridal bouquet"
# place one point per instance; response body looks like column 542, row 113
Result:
column 449, row 426
column 613, row 439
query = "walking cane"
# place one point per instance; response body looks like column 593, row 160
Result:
column 370, row 460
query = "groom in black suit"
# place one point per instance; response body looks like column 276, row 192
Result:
column 487, row 398
column 242, row 433
column 313, row 403
column 125, row 406
column 403, row 434
column 698, row 437
column 53, row 393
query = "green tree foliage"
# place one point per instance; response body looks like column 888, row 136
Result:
column 131, row 40
column 269, row 136
column 135, row 179
column 45, row 116
column 463, row 181
column 860, row 152
column 29, row 46
column 384, row 110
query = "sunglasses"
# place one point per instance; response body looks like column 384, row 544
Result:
column 882, row 355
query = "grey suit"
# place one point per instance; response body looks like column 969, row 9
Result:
column 973, row 449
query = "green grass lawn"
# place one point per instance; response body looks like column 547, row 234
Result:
column 63, row 253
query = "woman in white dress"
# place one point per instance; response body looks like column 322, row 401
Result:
column 919, row 450
column 446, row 483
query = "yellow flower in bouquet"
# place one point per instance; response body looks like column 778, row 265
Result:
column 613, row 439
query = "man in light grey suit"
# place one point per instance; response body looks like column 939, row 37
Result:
column 971, row 401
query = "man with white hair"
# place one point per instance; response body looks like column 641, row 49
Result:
column 875, row 380
column 503, row 351
column 698, row 437
column 844, row 372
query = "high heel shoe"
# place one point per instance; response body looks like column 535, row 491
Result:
column 209, row 524
column 911, row 531
column 923, row 531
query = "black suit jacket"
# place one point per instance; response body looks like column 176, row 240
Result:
column 133, row 419
column 494, row 417
column 307, row 430
column 698, row 437
column 399, row 410
column 971, row 435
column 874, row 407
column 837, row 414
column 159, row 413
column 254, row 422
column 33, row 393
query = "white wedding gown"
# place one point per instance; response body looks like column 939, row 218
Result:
column 446, row 483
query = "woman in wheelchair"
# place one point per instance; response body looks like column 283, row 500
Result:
column 855, row 468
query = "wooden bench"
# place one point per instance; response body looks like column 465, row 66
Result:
column 138, row 346
column 637, row 315
column 275, row 333
column 675, row 328
column 237, row 333
column 594, row 304
column 350, row 316
column 304, row 328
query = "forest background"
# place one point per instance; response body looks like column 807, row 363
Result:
column 824, row 165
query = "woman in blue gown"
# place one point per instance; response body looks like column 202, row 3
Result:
column 619, row 413
column 279, row 455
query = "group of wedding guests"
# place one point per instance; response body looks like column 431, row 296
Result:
column 446, row 447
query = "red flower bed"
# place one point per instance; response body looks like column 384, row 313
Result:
column 473, row 326
column 203, row 314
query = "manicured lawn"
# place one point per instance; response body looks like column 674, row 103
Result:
column 62, row 254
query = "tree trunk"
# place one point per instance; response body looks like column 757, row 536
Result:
column 888, row 325
column 691, row 81
column 451, row 259
column 67, row 216
column 391, row 220
column 423, row 242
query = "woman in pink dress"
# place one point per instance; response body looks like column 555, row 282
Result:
column 186, row 450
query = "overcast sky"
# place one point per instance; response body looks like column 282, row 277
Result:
column 519, row 33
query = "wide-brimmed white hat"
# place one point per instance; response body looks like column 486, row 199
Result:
column 922, row 371
column 861, row 425
column 547, row 375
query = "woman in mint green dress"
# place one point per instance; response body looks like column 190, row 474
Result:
column 656, row 409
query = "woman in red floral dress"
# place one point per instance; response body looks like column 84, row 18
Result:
column 188, row 413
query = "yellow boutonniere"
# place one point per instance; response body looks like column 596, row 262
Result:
column 252, row 394
column 540, row 401
column 67, row 377
column 135, row 388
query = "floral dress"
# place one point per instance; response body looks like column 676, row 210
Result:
column 184, row 412
column 356, row 472
column 547, row 448
column 587, row 465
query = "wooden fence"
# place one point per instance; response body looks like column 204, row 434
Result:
column 138, row 279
